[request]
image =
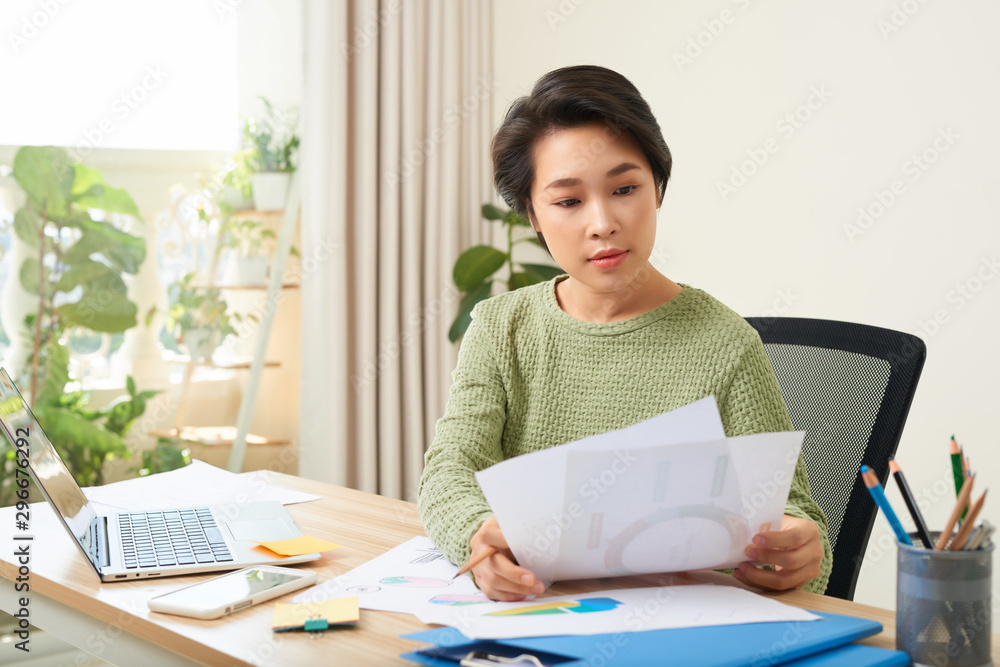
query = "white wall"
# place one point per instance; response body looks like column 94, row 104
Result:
column 891, row 84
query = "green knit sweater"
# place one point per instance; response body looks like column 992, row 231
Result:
column 529, row 377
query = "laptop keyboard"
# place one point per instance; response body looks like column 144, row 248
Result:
column 171, row 537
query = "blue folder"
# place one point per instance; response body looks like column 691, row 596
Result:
column 825, row 642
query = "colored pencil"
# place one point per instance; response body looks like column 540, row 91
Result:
column 874, row 488
column 956, row 465
column 475, row 560
column 960, row 505
column 963, row 534
column 911, row 504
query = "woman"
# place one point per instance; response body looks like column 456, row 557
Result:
column 612, row 343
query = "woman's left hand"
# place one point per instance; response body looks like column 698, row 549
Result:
column 796, row 552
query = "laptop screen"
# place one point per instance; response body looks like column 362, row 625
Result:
column 48, row 469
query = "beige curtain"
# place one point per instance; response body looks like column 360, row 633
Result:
column 396, row 130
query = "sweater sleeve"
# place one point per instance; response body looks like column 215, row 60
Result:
column 753, row 404
column 467, row 439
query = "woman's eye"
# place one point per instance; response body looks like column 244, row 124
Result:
column 625, row 189
column 567, row 202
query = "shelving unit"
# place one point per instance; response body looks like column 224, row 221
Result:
column 238, row 437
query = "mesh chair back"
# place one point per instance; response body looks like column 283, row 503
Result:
column 849, row 387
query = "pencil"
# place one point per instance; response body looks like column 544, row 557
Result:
column 911, row 504
column 475, row 560
column 956, row 465
column 963, row 534
column 874, row 488
column 960, row 504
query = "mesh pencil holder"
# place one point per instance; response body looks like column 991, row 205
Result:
column 943, row 605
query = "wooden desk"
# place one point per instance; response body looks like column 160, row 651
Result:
column 113, row 622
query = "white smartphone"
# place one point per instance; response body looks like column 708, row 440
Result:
column 231, row 592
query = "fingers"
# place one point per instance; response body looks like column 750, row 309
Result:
column 776, row 580
column 795, row 551
column 500, row 579
column 498, row 576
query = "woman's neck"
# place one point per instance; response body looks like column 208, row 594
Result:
column 648, row 290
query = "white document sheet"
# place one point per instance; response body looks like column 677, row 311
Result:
column 623, row 610
column 666, row 495
column 412, row 578
column 195, row 484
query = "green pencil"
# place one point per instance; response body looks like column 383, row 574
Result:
column 957, row 468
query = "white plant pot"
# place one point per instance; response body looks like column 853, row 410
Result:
column 242, row 270
column 270, row 190
column 235, row 198
column 200, row 343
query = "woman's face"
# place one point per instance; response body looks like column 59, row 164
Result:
column 595, row 199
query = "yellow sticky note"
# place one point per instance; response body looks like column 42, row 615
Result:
column 292, row 616
column 299, row 545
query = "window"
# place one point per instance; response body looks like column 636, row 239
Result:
column 119, row 74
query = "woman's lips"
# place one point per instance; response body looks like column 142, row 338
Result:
column 609, row 261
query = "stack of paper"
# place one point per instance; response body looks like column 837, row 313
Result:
column 669, row 494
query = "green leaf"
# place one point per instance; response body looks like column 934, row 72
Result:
column 29, row 275
column 125, row 251
column 28, row 226
column 46, row 174
column 75, row 430
column 103, row 310
column 107, row 198
column 491, row 212
column 520, row 279
column 541, row 272
column 90, row 274
column 85, row 177
column 516, row 220
column 55, row 373
column 464, row 318
column 476, row 265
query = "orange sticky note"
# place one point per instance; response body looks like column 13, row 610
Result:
column 299, row 545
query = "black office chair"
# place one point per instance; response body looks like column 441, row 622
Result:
column 849, row 387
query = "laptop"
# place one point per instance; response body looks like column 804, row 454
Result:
column 145, row 544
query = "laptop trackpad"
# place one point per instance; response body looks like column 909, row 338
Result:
column 261, row 530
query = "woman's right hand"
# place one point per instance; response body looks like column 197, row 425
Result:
column 498, row 576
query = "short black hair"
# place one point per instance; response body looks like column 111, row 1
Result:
column 566, row 98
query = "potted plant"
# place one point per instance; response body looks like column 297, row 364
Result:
column 230, row 186
column 474, row 269
column 270, row 143
column 198, row 317
column 76, row 255
column 250, row 242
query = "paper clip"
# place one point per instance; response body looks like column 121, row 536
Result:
column 484, row 659
column 314, row 626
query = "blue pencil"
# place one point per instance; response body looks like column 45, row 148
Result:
column 878, row 495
